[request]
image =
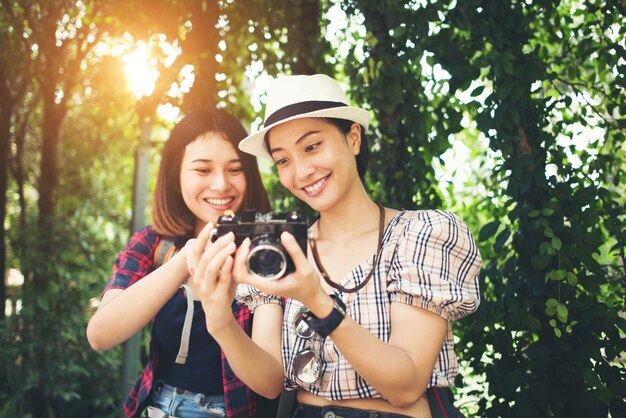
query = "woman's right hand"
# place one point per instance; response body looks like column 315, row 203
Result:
column 256, row 359
column 195, row 247
column 211, row 278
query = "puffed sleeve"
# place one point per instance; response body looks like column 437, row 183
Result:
column 436, row 265
column 253, row 297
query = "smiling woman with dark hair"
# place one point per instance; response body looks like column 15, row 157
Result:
column 202, row 175
column 367, row 325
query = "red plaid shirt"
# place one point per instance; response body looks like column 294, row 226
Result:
column 132, row 264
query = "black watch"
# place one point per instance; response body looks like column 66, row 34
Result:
column 324, row 326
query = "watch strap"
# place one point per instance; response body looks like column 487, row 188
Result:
column 324, row 326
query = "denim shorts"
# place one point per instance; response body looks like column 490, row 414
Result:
column 169, row 402
column 309, row 411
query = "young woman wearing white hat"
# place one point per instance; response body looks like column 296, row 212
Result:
column 367, row 318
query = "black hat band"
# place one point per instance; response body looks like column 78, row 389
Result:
column 300, row 108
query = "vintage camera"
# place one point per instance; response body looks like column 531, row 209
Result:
column 268, row 259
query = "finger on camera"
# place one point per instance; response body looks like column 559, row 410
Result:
column 212, row 259
column 240, row 270
column 221, row 243
column 218, row 253
column 204, row 234
column 292, row 247
column 242, row 252
column 225, row 275
column 227, row 267
column 217, row 261
column 226, row 238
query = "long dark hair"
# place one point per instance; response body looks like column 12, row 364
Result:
column 170, row 214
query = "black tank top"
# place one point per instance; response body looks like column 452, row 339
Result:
column 202, row 372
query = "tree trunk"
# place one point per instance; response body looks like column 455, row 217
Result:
column 5, row 140
column 53, row 115
column 308, row 58
column 49, row 164
column 202, row 45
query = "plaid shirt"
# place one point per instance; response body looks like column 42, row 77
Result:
column 132, row 264
column 428, row 260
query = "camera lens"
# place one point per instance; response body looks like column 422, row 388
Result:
column 267, row 258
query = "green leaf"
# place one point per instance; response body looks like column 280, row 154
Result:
column 508, row 68
column 552, row 303
column 488, row 230
column 590, row 377
column 585, row 195
column 477, row 91
column 540, row 261
column 556, row 275
column 399, row 31
column 501, row 239
column 571, row 279
column 604, row 394
column 561, row 312
column 547, row 211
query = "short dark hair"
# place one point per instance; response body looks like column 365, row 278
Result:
column 170, row 214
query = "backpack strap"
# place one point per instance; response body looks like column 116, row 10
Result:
column 287, row 403
column 440, row 402
column 185, row 335
column 164, row 251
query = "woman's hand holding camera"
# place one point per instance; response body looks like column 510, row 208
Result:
column 210, row 265
column 303, row 284
column 195, row 246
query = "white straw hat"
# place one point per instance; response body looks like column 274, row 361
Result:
column 302, row 96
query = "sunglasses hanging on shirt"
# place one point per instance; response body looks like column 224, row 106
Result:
column 307, row 363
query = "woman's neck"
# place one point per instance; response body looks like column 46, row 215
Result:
column 350, row 217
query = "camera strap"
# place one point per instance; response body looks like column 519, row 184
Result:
column 327, row 279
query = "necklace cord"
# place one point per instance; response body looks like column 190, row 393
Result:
column 320, row 267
